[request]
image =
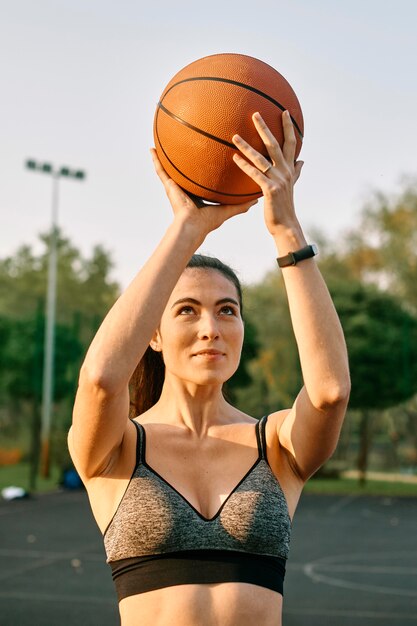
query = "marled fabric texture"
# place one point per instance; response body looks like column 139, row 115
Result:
column 153, row 518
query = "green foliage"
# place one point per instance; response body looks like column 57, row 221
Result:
column 381, row 251
column 351, row 487
column 383, row 248
column 275, row 371
column 84, row 294
column 84, row 286
column 381, row 336
column 19, row 475
column 21, row 365
column 241, row 378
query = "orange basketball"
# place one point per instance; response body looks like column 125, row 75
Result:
column 200, row 110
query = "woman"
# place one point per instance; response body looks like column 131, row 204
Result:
column 194, row 497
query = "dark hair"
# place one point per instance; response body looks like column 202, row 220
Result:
column 147, row 380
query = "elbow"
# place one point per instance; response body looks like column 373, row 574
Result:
column 341, row 393
column 98, row 379
column 334, row 396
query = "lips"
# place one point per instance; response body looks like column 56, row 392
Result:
column 209, row 353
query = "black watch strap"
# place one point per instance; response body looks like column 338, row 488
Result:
column 292, row 258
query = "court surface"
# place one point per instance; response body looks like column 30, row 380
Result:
column 353, row 562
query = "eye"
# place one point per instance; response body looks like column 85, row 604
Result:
column 228, row 310
column 185, row 310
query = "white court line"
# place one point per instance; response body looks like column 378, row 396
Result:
column 369, row 569
column 44, row 560
column 344, row 584
column 340, row 504
column 26, row 568
column 312, row 571
column 367, row 556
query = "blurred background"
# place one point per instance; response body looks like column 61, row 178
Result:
column 81, row 80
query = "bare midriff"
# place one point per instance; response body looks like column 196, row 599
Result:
column 228, row 604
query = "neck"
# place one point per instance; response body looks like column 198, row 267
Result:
column 195, row 407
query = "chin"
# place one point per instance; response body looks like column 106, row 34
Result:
column 205, row 381
column 203, row 375
column 210, row 377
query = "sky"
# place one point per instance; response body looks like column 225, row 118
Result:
column 80, row 80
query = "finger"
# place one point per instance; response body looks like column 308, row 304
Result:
column 175, row 194
column 251, row 170
column 297, row 170
column 158, row 167
column 250, row 153
column 269, row 140
column 290, row 142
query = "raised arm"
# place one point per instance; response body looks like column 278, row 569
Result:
column 311, row 428
column 101, row 409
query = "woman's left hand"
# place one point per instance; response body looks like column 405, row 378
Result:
column 277, row 176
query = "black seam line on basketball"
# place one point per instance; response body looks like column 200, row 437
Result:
column 238, row 84
column 194, row 128
column 223, row 193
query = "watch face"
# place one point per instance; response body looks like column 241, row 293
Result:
column 314, row 248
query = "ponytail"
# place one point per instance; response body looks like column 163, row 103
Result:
column 145, row 386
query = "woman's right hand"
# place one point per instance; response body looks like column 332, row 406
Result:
column 204, row 217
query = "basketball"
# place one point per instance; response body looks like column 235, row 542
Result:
column 203, row 106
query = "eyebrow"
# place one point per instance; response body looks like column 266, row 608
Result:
column 194, row 301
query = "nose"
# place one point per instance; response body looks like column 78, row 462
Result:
column 208, row 328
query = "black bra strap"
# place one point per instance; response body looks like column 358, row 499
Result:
column 261, row 425
column 139, row 444
column 258, row 439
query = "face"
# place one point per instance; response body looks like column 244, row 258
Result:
column 201, row 330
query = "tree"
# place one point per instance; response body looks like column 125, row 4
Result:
column 274, row 371
column 381, row 337
column 85, row 293
column 242, row 377
column 84, row 285
column 21, row 374
column 383, row 248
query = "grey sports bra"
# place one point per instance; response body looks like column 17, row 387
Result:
column 157, row 538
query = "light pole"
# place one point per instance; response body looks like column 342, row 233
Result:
column 50, row 307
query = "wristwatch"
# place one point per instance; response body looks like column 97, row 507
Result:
column 292, row 258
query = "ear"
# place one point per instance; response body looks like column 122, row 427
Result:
column 155, row 343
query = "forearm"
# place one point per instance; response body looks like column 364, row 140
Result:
column 316, row 325
column 127, row 329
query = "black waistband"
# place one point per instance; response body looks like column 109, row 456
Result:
column 140, row 574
